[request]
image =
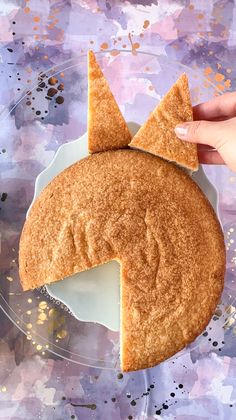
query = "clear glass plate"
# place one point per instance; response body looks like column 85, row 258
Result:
column 40, row 121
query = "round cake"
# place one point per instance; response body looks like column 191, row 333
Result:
column 150, row 216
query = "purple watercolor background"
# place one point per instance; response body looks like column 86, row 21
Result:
column 36, row 36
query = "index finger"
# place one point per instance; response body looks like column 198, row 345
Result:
column 220, row 108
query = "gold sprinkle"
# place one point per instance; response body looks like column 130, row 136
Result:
column 114, row 52
column 29, row 326
column 33, row 342
column 231, row 230
column 229, row 323
column 218, row 312
column 200, row 16
column 219, row 77
column 39, row 322
column 9, row 278
column 220, row 87
column 29, row 300
column 146, row 23
column 4, row 389
column 43, row 305
column 52, row 312
column 29, row 337
column 43, row 353
column 42, row 316
column 231, row 241
column 28, row 312
column 39, row 347
column 47, row 346
column 230, row 309
column 228, row 83
column 208, row 70
column 104, row 46
column 62, row 334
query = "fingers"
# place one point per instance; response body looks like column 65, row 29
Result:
column 204, row 148
column 219, row 108
column 203, row 132
column 210, row 157
column 220, row 135
column 214, row 125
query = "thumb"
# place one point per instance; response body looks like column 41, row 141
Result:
column 202, row 132
column 220, row 135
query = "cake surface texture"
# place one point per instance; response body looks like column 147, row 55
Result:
column 157, row 135
column 147, row 214
column 107, row 129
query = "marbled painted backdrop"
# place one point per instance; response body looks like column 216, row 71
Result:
column 40, row 110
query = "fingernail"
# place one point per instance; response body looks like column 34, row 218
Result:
column 181, row 131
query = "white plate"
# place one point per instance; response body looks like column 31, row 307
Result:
column 93, row 296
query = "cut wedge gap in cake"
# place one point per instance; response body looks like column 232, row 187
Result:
column 107, row 129
column 92, row 295
column 157, row 135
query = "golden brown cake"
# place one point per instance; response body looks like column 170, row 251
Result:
column 107, row 129
column 157, row 135
column 147, row 214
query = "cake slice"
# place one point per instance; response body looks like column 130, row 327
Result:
column 107, row 129
column 157, row 134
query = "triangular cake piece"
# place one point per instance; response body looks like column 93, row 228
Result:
column 107, row 129
column 157, row 134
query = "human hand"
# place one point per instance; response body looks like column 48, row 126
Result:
column 214, row 130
